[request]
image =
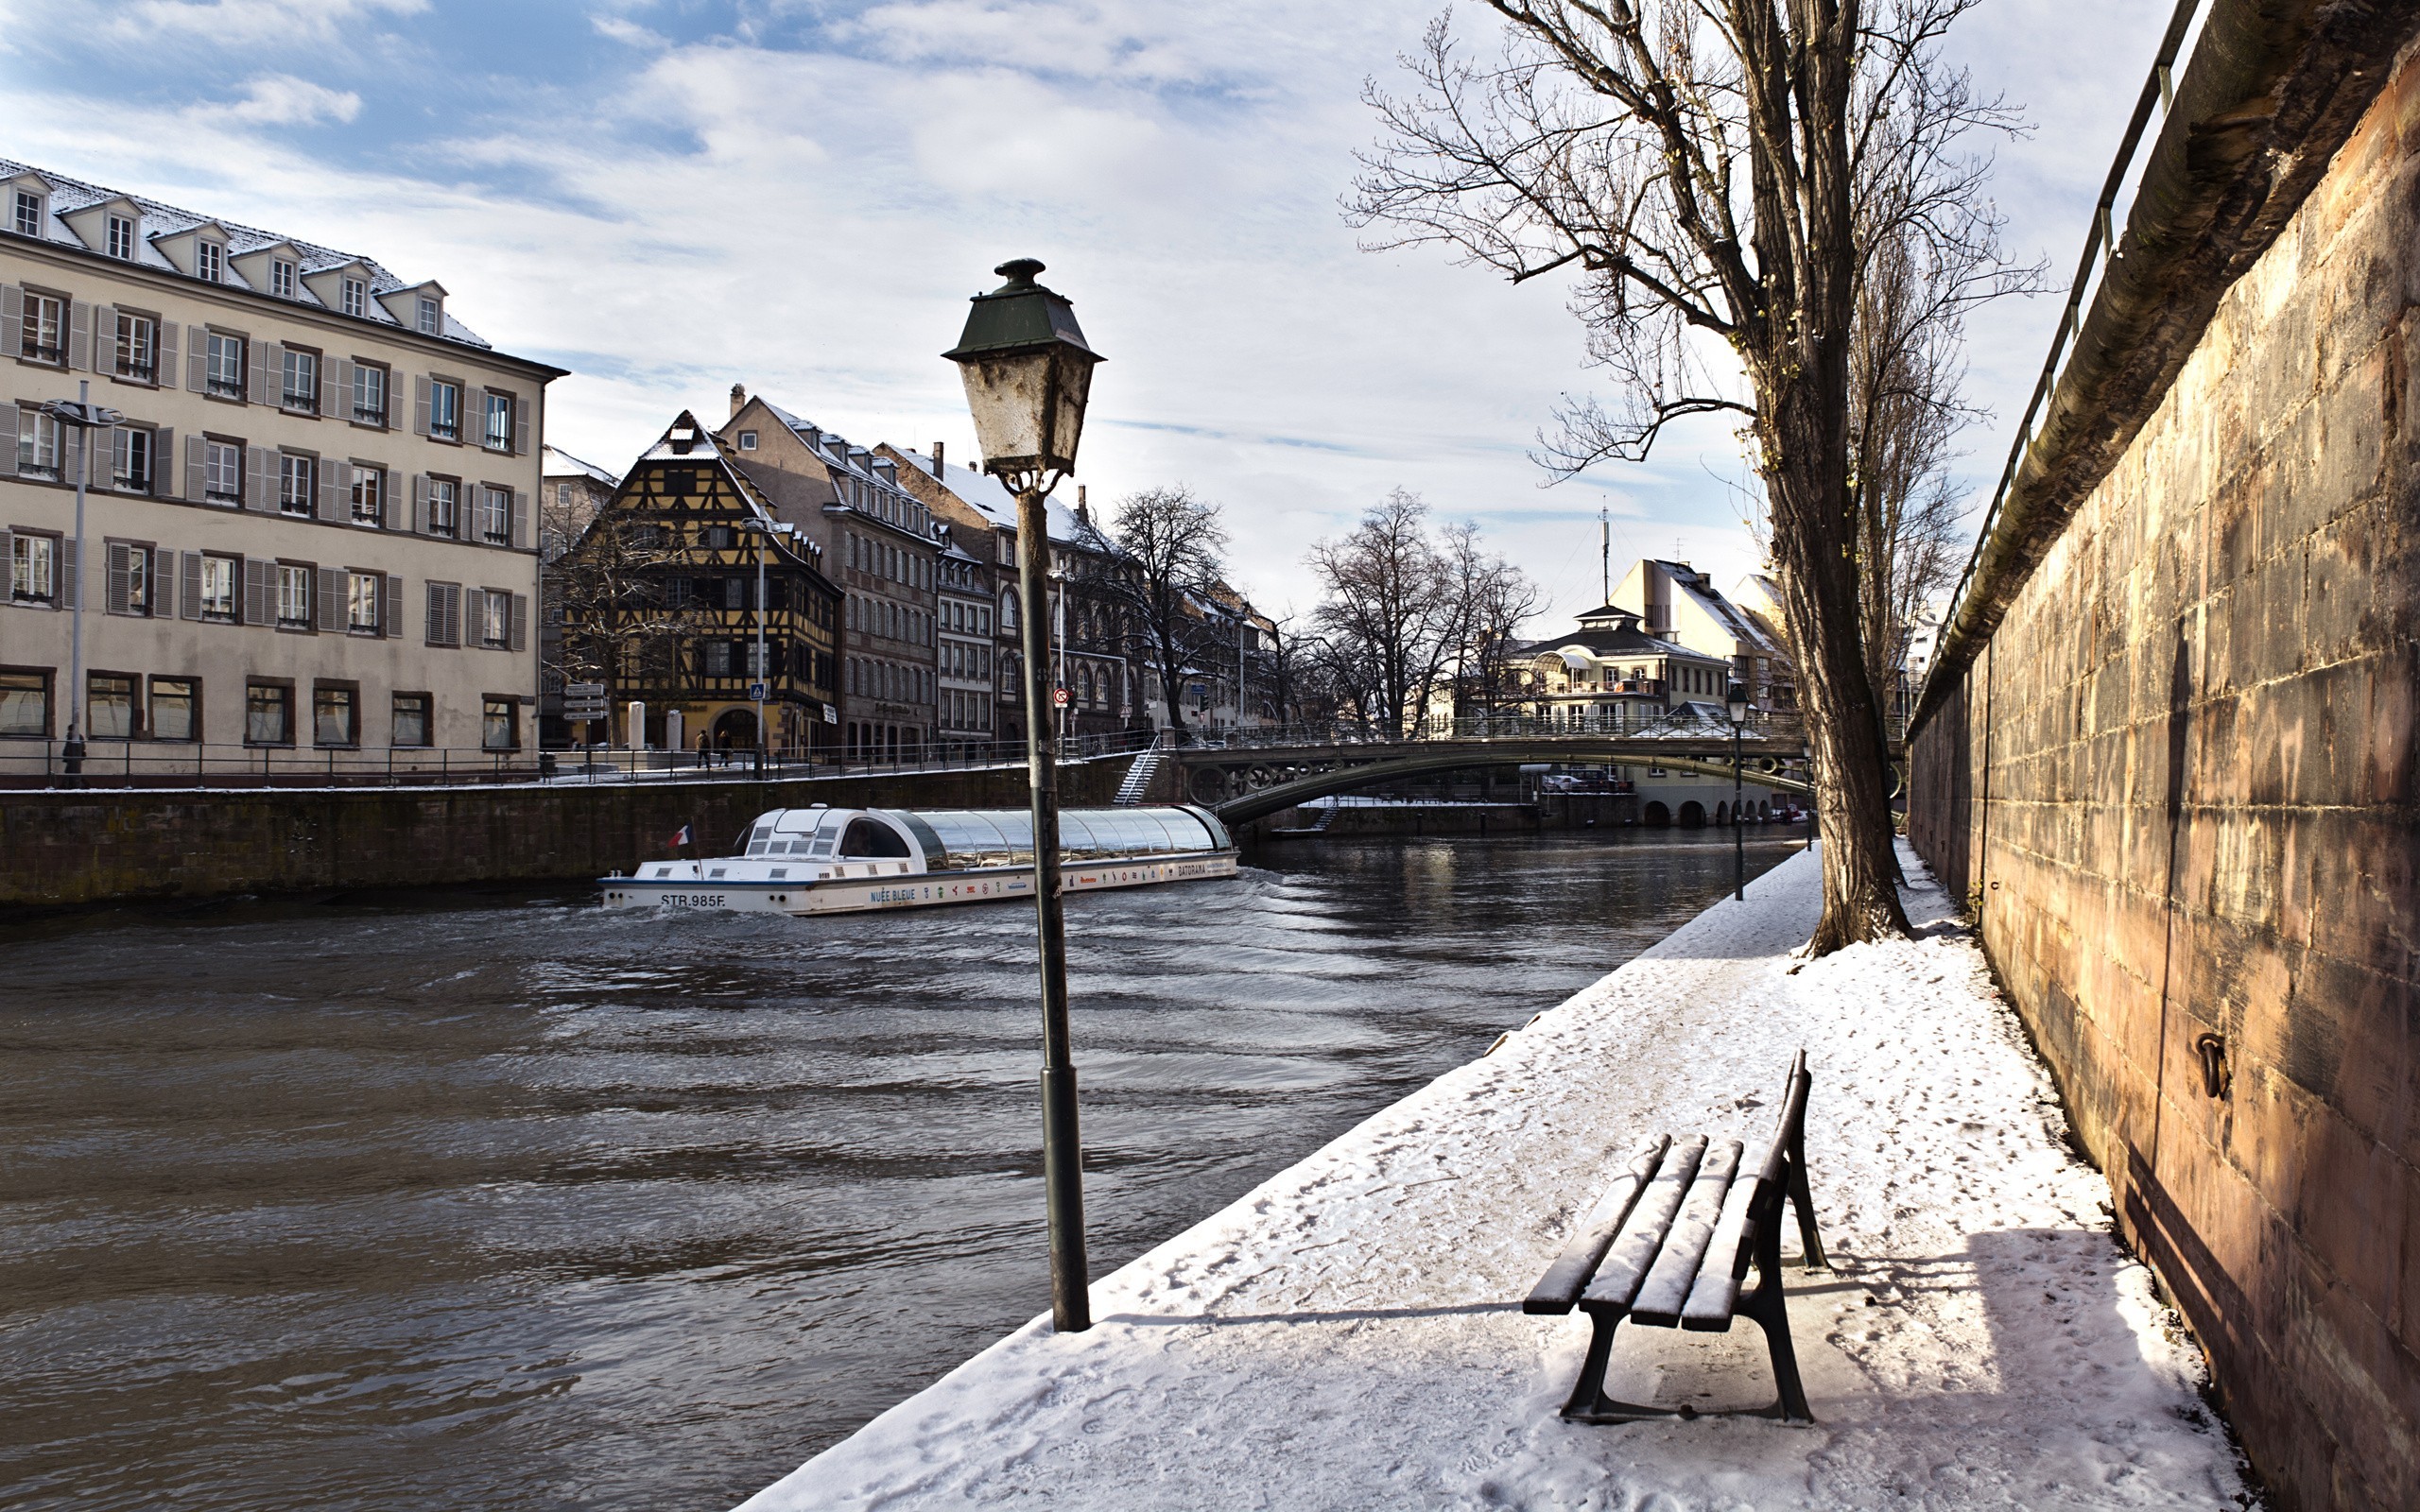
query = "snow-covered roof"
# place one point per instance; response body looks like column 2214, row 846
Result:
column 1721, row 611
column 555, row 462
column 860, row 462
column 160, row 222
column 985, row 494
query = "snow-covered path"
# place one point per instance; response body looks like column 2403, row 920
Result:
column 1348, row 1334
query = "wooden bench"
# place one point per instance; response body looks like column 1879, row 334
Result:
column 1669, row 1246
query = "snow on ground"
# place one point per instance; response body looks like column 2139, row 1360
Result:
column 1348, row 1334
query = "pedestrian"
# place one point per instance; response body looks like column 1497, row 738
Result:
column 704, row 745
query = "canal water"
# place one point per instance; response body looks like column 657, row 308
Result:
column 426, row 1201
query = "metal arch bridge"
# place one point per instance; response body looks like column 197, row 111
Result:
column 1245, row 782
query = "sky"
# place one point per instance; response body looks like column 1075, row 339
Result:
column 669, row 196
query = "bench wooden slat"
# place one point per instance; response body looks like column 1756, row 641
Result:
column 1715, row 1294
column 1667, row 1287
column 1634, row 1247
column 1560, row 1287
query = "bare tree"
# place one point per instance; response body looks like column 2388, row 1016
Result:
column 1492, row 599
column 618, row 628
column 1703, row 165
column 1171, row 543
column 1389, row 618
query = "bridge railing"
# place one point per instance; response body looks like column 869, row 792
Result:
column 1621, row 723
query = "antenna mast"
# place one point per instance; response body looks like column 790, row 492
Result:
column 1605, row 550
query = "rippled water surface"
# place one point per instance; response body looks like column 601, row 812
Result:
column 491, row 1200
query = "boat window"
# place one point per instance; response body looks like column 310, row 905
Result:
column 822, row 846
column 872, row 838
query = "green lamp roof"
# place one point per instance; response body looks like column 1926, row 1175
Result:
column 1018, row 315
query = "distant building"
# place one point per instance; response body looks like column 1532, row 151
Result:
column 881, row 544
column 1611, row 673
column 570, row 492
column 661, row 604
column 1677, row 603
column 312, row 528
column 969, row 712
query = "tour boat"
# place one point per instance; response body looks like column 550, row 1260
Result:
column 825, row 860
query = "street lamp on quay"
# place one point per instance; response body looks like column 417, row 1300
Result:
column 83, row 415
column 1028, row 374
column 761, row 680
column 1739, row 702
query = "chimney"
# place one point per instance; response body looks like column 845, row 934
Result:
column 938, row 466
column 1081, row 513
column 738, row 399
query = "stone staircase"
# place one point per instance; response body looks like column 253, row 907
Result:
column 1139, row 776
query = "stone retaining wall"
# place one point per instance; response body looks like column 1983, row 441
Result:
column 2177, row 785
column 64, row 850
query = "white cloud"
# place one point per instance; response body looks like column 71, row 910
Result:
column 281, row 99
column 234, row 23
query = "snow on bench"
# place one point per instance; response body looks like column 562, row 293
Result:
column 1669, row 1245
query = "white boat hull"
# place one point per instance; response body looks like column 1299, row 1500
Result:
column 858, row 895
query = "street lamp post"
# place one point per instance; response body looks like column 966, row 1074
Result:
column 1028, row 374
column 81, row 415
column 1738, row 701
column 761, row 681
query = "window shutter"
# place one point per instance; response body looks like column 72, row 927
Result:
column 120, row 440
column 79, row 334
column 435, row 633
column 164, row 583
column 453, row 614
column 71, row 578
column 390, row 608
column 333, row 394
column 521, row 621
column 120, row 590
column 7, row 441
column 165, row 376
column 420, row 503
column 257, row 587
column 262, row 390
column 335, row 480
column 105, row 338
column 520, row 426
column 197, row 458
column 196, row 359
column 261, row 464
column 12, row 309
column 164, row 463
column 420, row 403
column 519, row 532
column 190, row 604
column 474, row 615
column 334, row 614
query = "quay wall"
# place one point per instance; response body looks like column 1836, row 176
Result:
column 75, row 848
column 2176, row 786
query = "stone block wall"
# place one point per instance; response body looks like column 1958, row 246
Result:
column 66, row 849
column 2178, row 788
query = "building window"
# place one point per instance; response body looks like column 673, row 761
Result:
column 747, row 440
column 109, row 706
column 209, row 262
column 495, row 514
column 431, row 318
column 412, row 724
column 293, row 597
column 717, row 658
column 445, row 410
column 361, row 603
column 268, row 713
column 36, row 444
column 495, row 620
column 138, row 347
column 176, row 709
column 562, row 494
column 370, row 395
column 297, row 479
column 29, row 220
column 130, row 579
column 218, row 590
column 281, row 279
column 369, row 495
column 444, row 495
column 121, row 238
column 224, row 371
column 336, row 716
column 498, row 435
column 45, row 320
column 222, row 473
column 301, row 386
column 33, row 569
column 500, row 723
column 25, row 704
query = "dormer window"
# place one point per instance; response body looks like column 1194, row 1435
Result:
column 121, row 238
column 356, row 297
column 281, row 279
column 209, row 262
column 28, row 219
column 747, row 440
column 431, row 318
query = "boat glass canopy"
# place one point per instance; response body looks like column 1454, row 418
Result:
column 962, row 839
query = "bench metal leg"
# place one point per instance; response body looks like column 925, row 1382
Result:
column 1802, row 1199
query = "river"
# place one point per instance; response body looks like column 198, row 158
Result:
column 419, row 1201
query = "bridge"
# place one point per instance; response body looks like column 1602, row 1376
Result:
column 1248, row 775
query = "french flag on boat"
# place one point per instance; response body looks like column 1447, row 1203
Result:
column 681, row 839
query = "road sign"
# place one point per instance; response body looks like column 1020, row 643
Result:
column 584, row 711
column 1060, row 697
column 584, row 691
column 755, row 693
column 831, row 716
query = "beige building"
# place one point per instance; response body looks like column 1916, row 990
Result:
column 1676, row 602
column 314, row 529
